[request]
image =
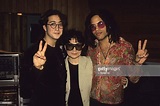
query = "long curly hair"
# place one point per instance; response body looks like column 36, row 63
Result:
column 108, row 18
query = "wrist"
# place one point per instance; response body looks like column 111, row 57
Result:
column 39, row 67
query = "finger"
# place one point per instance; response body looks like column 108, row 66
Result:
column 139, row 45
column 145, row 51
column 42, row 57
column 40, row 46
column 141, row 61
column 146, row 55
column 37, row 55
column 144, row 44
column 44, row 49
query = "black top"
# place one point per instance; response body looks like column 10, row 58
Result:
column 45, row 87
column 75, row 95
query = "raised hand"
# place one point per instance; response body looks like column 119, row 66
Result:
column 142, row 54
column 39, row 57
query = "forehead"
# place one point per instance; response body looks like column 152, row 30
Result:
column 54, row 18
column 95, row 19
column 73, row 40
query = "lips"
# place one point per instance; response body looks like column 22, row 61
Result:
column 98, row 33
column 56, row 33
column 74, row 53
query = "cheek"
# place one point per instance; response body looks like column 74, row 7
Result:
column 94, row 32
column 104, row 30
column 68, row 52
column 79, row 52
column 49, row 30
column 61, row 32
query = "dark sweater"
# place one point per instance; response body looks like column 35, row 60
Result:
column 45, row 87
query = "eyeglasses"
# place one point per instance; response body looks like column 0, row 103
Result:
column 54, row 25
column 70, row 46
column 100, row 25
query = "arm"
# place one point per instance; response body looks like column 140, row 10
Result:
column 141, row 57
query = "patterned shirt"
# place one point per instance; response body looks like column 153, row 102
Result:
column 108, row 89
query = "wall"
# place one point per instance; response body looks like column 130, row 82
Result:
column 14, row 30
column 138, row 19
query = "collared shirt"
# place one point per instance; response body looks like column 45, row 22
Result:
column 108, row 89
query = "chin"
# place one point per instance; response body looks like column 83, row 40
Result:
column 56, row 38
column 74, row 57
column 100, row 38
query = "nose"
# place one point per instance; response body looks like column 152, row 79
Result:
column 57, row 27
column 74, row 48
column 96, row 27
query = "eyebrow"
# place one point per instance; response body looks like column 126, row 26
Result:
column 97, row 22
column 55, row 22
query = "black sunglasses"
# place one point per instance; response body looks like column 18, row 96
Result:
column 70, row 46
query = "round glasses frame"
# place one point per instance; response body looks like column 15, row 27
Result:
column 100, row 25
column 54, row 25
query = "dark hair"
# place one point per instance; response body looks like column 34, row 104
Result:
column 72, row 33
column 107, row 17
column 44, row 17
column 78, row 35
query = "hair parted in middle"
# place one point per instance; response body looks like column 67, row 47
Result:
column 109, row 21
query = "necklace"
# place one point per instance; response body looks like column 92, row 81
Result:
column 105, row 56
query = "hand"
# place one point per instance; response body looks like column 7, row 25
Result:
column 134, row 79
column 124, row 82
column 142, row 54
column 39, row 58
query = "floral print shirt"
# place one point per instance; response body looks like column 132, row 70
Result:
column 108, row 89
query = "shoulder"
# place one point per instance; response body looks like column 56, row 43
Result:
column 91, row 51
column 85, row 58
column 86, row 63
column 124, row 43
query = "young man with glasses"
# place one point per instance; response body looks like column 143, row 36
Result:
column 106, row 48
column 43, row 73
column 79, row 70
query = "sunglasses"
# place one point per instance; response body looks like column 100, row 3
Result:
column 70, row 46
column 100, row 25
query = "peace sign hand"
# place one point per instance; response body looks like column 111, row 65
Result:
column 39, row 57
column 142, row 54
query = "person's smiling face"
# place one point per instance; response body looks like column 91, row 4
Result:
column 54, row 27
column 74, row 53
column 98, row 27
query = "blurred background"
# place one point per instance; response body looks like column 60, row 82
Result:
column 137, row 19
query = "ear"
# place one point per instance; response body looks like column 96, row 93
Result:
column 44, row 27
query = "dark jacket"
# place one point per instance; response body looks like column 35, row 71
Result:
column 44, row 87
